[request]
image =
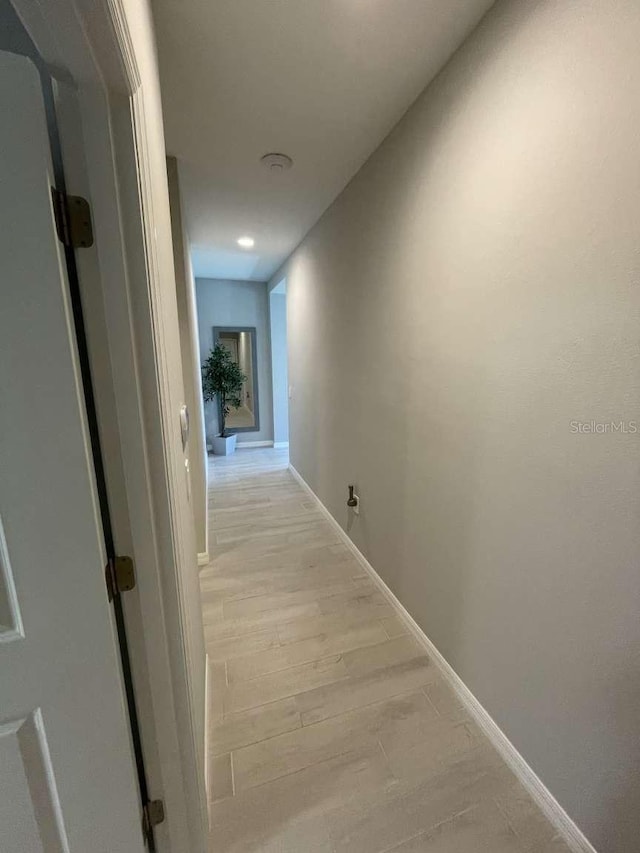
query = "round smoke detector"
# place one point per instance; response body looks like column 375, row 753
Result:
column 276, row 162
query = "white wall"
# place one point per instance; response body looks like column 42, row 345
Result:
column 472, row 292
column 279, row 369
column 237, row 303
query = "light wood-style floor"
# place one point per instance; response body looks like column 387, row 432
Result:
column 331, row 731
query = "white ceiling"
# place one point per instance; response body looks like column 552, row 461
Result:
column 323, row 81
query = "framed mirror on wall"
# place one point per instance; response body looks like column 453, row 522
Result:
column 240, row 341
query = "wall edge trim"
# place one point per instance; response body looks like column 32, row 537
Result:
column 539, row 792
column 203, row 558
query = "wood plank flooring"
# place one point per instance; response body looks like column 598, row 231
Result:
column 331, row 730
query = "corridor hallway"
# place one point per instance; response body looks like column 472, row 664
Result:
column 330, row 730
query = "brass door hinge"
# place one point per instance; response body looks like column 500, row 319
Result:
column 73, row 219
column 152, row 815
column 120, row 575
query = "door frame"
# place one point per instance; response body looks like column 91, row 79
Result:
column 94, row 43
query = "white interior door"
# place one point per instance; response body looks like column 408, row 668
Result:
column 67, row 782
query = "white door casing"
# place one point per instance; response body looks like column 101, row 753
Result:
column 106, row 48
column 67, row 782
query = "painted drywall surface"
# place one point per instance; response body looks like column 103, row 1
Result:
column 470, row 297
column 190, row 359
column 237, row 303
column 279, row 371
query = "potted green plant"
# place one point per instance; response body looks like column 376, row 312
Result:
column 222, row 380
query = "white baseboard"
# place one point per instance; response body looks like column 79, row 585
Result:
column 280, row 445
column 565, row 826
column 254, row 444
column 203, row 558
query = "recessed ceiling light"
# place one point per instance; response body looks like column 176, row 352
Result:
column 246, row 242
column 276, row 162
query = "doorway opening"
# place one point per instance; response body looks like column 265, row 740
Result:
column 279, row 363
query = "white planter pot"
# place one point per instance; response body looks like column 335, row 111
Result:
column 224, row 446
